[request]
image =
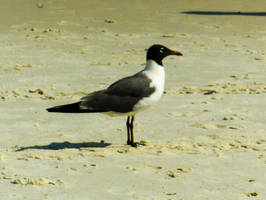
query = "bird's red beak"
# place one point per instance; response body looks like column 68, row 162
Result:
column 177, row 53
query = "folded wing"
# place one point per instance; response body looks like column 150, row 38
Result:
column 121, row 96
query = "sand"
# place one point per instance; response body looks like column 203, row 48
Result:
column 206, row 139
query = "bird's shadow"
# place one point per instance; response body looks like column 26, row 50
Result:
column 66, row 145
column 224, row 13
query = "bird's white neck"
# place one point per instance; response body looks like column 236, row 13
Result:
column 156, row 73
column 151, row 65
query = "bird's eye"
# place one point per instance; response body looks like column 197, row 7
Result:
column 161, row 50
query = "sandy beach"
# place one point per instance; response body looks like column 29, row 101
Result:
column 204, row 140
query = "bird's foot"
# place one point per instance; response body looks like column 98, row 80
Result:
column 133, row 144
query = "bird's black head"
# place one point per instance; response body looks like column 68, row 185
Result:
column 158, row 52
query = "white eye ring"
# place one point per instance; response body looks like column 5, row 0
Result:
column 161, row 50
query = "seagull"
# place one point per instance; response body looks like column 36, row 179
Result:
column 129, row 95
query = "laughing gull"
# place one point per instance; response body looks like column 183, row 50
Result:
column 129, row 95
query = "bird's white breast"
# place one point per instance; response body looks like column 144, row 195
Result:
column 156, row 73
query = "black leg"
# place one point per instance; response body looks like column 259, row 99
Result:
column 128, row 131
column 132, row 143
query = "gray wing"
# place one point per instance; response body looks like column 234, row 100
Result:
column 121, row 96
column 137, row 85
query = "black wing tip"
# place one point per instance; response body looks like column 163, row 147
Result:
column 50, row 109
column 55, row 109
column 72, row 108
column 68, row 108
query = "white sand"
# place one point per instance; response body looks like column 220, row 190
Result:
column 206, row 139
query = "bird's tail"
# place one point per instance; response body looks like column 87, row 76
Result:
column 68, row 108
